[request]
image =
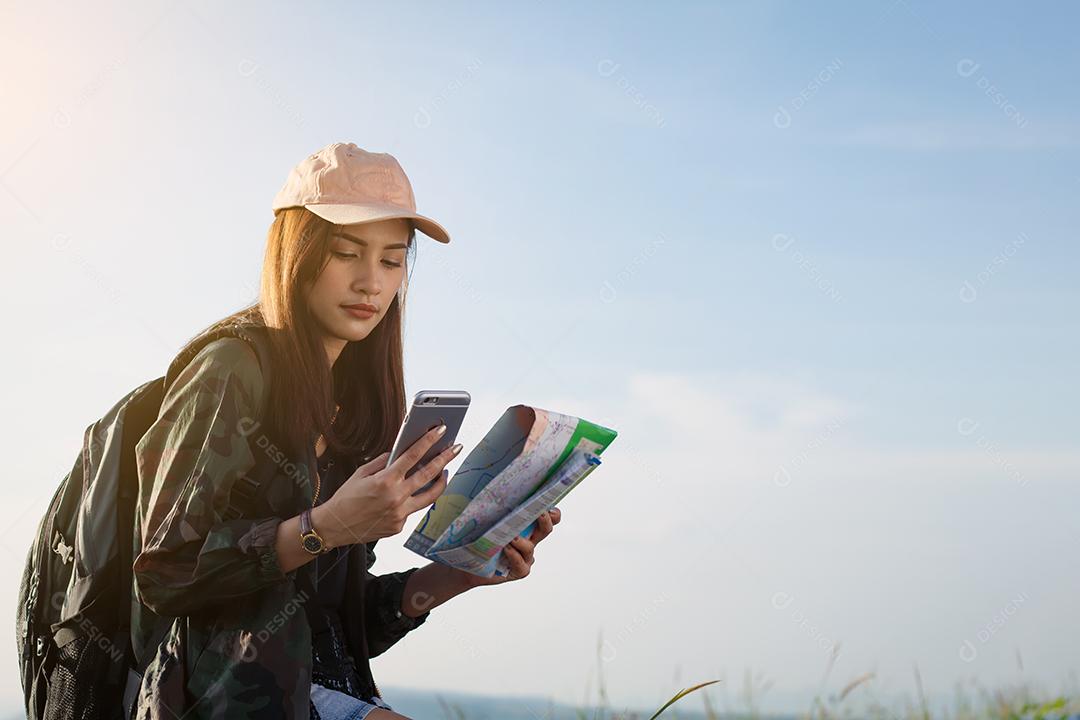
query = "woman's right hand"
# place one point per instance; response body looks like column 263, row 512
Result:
column 377, row 499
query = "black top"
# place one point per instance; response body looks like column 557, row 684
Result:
column 332, row 665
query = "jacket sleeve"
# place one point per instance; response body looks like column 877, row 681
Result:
column 385, row 624
column 187, row 462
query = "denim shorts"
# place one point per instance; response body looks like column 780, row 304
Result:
column 335, row 705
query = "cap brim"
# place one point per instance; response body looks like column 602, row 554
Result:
column 352, row 214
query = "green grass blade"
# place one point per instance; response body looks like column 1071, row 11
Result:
column 679, row 695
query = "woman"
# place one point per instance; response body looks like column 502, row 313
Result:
column 239, row 617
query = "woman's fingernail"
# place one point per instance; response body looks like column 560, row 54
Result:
column 440, row 430
column 456, row 449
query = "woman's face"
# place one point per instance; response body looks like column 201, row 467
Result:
column 366, row 267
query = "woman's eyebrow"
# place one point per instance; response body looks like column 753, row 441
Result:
column 361, row 241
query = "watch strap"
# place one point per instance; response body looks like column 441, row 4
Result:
column 308, row 530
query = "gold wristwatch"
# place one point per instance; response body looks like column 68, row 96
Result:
column 309, row 539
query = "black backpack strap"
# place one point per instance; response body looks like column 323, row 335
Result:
column 246, row 488
column 241, row 499
column 256, row 337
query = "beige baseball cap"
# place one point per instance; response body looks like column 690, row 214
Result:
column 346, row 184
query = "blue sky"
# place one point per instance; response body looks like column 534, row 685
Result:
column 814, row 262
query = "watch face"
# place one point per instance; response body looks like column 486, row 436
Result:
column 312, row 544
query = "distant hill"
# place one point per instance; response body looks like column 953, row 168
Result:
column 426, row 705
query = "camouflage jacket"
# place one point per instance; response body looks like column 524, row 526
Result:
column 236, row 640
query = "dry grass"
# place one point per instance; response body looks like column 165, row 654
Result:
column 855, row 699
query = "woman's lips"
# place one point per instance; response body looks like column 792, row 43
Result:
column 359, row 311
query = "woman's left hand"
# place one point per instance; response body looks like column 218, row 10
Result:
column 521, row 552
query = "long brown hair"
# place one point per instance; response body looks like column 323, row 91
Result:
column 367, row 381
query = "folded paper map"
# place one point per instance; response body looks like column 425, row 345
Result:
column 527, row 462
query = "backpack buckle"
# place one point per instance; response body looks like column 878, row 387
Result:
column 61, row 548
column 241, row 496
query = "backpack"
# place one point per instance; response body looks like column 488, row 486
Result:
column 73, row 615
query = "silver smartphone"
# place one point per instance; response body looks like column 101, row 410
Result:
column 431, row 408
